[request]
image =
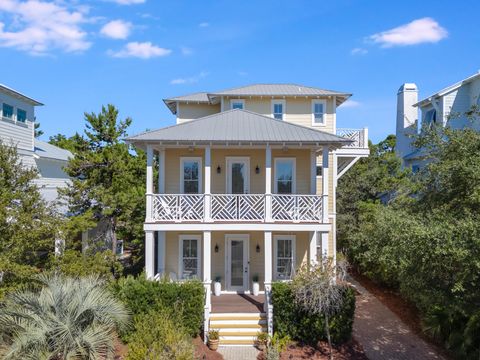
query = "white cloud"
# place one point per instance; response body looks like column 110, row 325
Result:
column 128, row 2
column 351, row 104
column 359, row 51
column 189, row 80
column 116, row 29
column 203, row 24
column 186, row 51
column 38, row 27
column 143, row 50
column 425, row 30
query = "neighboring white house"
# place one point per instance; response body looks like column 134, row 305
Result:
column 446, row 107
column 17, row 120
column 246, row 193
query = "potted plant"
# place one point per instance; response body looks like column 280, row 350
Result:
column 217, row 286
column 213, row 339
column 256, row 285
column 261, row 341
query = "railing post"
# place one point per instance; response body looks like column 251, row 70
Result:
column 365, row 138
column 325, row 183
column 268, row 184
column 208, row 176
column 149, row 184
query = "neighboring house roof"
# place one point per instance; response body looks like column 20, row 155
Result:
column 49, row 151
column 237, row 126
column 417, row 154
column 447, row 90
column 19, row 95
column 256, row 90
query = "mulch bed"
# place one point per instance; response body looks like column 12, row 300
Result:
column 202, row 351
column 349, row 350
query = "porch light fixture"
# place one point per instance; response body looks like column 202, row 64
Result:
column 257, row 170
column 216, row 248
column 219, row 169
column 257, row 249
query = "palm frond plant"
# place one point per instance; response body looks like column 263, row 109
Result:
column 63, row 318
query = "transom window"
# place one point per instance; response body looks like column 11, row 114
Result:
column 7, row 111
column 190, row 175
column 21, row 115
column 284, row 176
column 237, row 104
column 189, row 257
column 284, row 256
column 318, row 112
column 278, row 109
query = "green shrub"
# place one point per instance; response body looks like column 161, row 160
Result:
column 158, row 335
column 289, row 319
column 185, row 299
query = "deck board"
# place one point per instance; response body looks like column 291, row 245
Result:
column 237, row 303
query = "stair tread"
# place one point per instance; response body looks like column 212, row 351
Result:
column 235, row 326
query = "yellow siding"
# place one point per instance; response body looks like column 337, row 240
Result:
column 186, row 112
column 172, row 167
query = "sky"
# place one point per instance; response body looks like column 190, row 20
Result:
column 75, row 56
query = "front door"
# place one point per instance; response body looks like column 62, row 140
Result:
column 236, row 261
column 238, row 175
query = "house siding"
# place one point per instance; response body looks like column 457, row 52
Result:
column 187, row 112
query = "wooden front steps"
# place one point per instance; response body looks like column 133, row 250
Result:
column 238, row 328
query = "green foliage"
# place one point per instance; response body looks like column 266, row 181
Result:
column 74, row 263
column 27, row 225
column 61, row 318
column 213, row 334
column 425, row 242
column 292, row 320
column 159, row 335
column 185, row 299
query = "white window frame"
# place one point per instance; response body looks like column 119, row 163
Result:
column 229, row 160
column 198, row 238
column 275, row 102
column 324, row 120
column 294, row 170
column 275, row 254
column 242, row 101
column 200, row 172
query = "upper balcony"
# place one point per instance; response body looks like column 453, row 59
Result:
column 359, row 137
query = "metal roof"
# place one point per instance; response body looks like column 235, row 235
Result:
column 19, row 95
column 199, row 97
column 237, row 127
column 49, row 151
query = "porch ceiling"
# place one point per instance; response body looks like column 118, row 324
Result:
column 237, row 127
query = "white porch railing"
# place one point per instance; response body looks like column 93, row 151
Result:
column 237, row 207
column 359, row 137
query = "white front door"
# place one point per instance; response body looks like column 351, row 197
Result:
column 236, row 262
column 238, row 175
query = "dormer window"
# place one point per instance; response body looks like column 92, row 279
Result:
column 7, row 111
column 237, row 104
column 21, row 115
column 278, row 109
column 318, row 112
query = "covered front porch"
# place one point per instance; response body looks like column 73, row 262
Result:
column 238, row 303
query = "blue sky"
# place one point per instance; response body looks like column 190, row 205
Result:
column 75, row 56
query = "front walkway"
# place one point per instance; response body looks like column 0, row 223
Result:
column 383, row 335
column 238, row 352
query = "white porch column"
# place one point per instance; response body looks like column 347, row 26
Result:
column 149, row 188
column 268, row 184
column 207, row 281
column 268, row 307
column 161, row 171
column 313, row 172
column 312, row 249
column 161, row 248
column 325, row 153
column 208, row 182
column 324, row 244
column 149, row 254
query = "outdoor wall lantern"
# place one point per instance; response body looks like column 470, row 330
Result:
column 257, row 170
column 216, row 248
column 257, row 248
column 219, row 169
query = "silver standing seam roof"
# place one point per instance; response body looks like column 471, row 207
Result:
column 236, row 127
column 49, row 151
column 19, row 95
column 256, row 90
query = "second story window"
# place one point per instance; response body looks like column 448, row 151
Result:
column 284, row 176
column 7, row 111
column 237, row 104
column 190, row 175
column 318, row 112
column 21, row 115
column 278, row 109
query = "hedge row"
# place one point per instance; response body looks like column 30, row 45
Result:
column 289, row 319
column 185, row 299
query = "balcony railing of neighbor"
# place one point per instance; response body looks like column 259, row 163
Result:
column 237, row 207
column 359, row 137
